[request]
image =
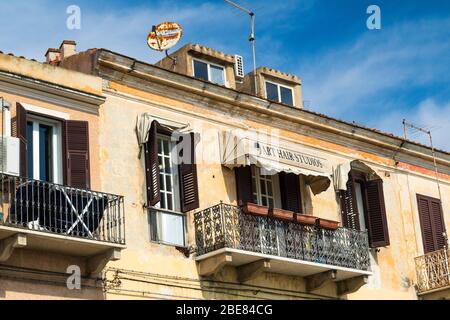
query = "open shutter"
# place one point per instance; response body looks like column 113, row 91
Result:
column 376, row 216
column 19, row 126
column 349, row 209
column 244, row 185
column 290, row 192
column 188, row 178
column 431, row 223
column 438, row 223
column 77, row 154
column 152, row 166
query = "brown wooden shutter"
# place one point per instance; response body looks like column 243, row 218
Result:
column 376, row 215
column 152, row 166
column 349, row 209
column 77, row 154
column 244, row 185
column 188, row 178
column 431, row 222
column 19, row 125
column 290, row 192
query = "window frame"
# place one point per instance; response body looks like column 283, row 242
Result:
column 156, row 212
column 57, row 170
column 208, row 67
column 279, row 86
column 276, row 194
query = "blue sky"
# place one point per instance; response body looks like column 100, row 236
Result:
column 375, row 78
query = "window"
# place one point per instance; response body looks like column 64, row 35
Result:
column 262, row 186
column 167, row 225
column 44, row 152
column 431, row 223
column 279, row 93
column 363, row 208
column 209, row 72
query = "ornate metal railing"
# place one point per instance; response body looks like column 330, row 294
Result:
column 52, row 208
column 226, row 226
column 433, row 271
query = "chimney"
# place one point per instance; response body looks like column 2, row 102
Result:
column 53, row 56
column 67, row 49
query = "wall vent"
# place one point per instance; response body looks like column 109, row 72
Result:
column 239, row 66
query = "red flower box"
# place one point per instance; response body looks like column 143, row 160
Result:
column 306, row 219
column 327, row 224
column 255, row 210
column 281, row 214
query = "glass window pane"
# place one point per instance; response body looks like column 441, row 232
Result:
column 286, row 96
column 169, row 183
column 161, row 182
column 200, row 70
column 272, row 91
column 166, row 148
column 167, row 165
column 163, row 201
column 217, row 75
column 160, row 146
column 269, row 188
column 45, row 152
column 30, row 149
column 263, row 187
column 169, row 202
column 271, row 203
column 264, row 201
column 172, row 229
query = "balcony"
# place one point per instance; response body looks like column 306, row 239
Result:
column 54, row 218
column 433, row 272
column 227, row 236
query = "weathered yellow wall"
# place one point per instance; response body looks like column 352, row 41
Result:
column 123, row 173
column 17, row 288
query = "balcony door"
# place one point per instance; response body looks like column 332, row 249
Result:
column 44, row 150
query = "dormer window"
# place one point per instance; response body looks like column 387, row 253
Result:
column 209, row 72
column 279, row 93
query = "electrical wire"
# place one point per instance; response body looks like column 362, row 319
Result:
column 241, row 287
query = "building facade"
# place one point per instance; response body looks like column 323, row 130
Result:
column 228, row 194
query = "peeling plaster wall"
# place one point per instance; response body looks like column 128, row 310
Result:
column 122, row 173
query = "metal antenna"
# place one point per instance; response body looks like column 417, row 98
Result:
column 251, row 38
column 407, row 125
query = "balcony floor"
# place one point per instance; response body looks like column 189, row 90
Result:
column 283, row 265
column 57, row 243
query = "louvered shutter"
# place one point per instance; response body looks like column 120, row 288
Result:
column 19, row 126
column 349, row 209
column 431, row 222
column 290, row 192
column 77, row 154
column 376, row 216
column 152, row 166
column 244, row 185
column 188, row 177
column 438, row 223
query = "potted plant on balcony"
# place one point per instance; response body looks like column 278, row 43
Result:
column 281, row 214
column 255, row 210
column 327, row 224
column 305, row 219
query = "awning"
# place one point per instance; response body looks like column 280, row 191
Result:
column 340, row 173
column 275, row 155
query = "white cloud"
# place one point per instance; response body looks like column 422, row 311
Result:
column 360, row 76
column 429, row 115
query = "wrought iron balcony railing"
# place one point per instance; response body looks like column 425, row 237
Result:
column 52, row 208
column 433, row 271
column 226, row 226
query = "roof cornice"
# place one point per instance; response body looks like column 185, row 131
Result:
column 50, row 93
column 131, row 67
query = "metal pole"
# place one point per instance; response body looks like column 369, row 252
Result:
column 435, row 166
column 251, row 39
